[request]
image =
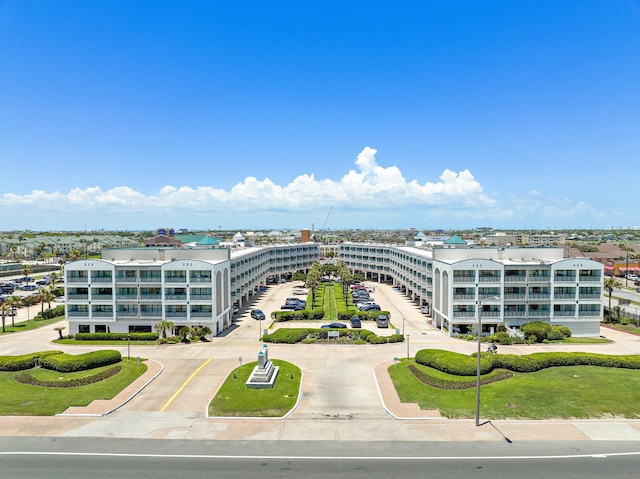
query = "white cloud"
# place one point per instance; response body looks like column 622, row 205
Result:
column 365, row 196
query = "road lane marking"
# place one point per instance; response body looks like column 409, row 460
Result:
column 184, row 385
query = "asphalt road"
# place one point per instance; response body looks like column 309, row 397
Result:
column 117, row 458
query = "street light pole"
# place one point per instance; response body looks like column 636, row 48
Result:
column 129, row 347
column 408, row 355
column 480, row 305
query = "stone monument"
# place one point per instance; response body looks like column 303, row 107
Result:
column 264, row 374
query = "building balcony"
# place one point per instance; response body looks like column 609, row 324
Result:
column 102, row 314
column 151, row 297
column 512, row 296
column 564, row 296
column 127, row 314
column 200, row 314
column 539, row 313
column 490, row 279
column 127, row 297
column 515, row 279
column 512, row 314
column 589, row 313
column 468, row 297
column 464, row 279
column 178, row 279
column 77, row 297
column 200, row 280
column 101, row 279
column 539, row 279
column 589, row 295
column 176, row 314
column 564, row 279
column 176, row 297
column 126, row 279
column 77, row 279
column 464, row 314
column 539, row 295
column 594, row 279
column 78, row 314
column 146, row 279
column 564, row 313
column 102, row 297
column 151, row 314
column 201, row 297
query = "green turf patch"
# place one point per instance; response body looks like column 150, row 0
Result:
column 234, row 399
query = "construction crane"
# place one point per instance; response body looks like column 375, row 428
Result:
column 327, row 219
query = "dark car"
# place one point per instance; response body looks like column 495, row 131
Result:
column 355, row 322
column 257, row 314
column 369, row 307
column 334, row 326
column 382, row 321
column 293, row 307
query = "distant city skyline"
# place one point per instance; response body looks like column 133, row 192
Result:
column 121, row 115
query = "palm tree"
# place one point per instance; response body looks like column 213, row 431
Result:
column 46, row 296
column 54, row 278
column 611, row 283
column 185, row 333
column 13, row 301
column 4, row 308
column 26, row 271
column 164, row 325
column 59, row 329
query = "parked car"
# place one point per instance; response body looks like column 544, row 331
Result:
column 302, row 291
column 257, row 314
column 355, row 322
column 292, row 307
column 334, row 326
column 370, row 307
column 59, row 299
column 382, row 321
column 235, row 309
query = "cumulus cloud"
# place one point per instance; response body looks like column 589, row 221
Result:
column 369, row 193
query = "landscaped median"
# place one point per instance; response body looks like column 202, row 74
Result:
column 315, row 335
column 234, row 399
column 48, row 382
column 534, row 386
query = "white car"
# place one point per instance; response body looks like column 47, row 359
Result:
column 59, row 299
column 300, row 291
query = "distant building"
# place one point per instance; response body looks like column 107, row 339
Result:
column 163, row 238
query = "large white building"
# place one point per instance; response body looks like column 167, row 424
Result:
column 455, row 281
column 132, row 289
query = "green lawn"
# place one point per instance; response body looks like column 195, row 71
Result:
column 234, row 399
column 31, row 324
column 561, row 392
column 24, row 400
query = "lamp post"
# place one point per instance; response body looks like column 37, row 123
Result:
column 408, row 355
column 480, row 305
column 129, row 347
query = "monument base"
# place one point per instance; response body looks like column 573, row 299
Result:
column 257, row 379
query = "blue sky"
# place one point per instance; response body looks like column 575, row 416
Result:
column 265, row 115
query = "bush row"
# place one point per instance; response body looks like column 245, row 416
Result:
column 115, row 336
column 67, row 363
column 26, row 378
column 443, row 383
column 51, row 313
column 461, row 365
column 20, row 363
column 297, row 335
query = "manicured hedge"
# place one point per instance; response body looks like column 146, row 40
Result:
column 443, row 383
column 115, row 336
column 463, row 365
column 454, row 363
column 26, row 378
column 51, row 313
column 297, row 335
column 26, row 361
column 66, row 363
column 282, row 316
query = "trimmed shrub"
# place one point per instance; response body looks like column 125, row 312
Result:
column 26, row 361
column 537, row 330
column 116, row 336
column 66, row 363
column 26, row 378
